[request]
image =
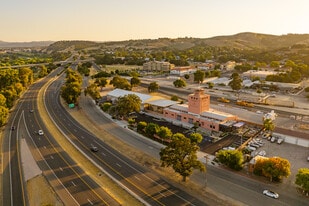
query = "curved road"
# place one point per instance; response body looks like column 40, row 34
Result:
column 135, row 178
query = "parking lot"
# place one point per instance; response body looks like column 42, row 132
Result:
column 296, row 155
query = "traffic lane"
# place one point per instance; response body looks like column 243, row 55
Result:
column 131, row 174
column 55, row 163
column 240, row 188
column 256, row 184
column 65, row 170
column 13, row 183
column 127, row 172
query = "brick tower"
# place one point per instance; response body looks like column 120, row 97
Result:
column 198, row 102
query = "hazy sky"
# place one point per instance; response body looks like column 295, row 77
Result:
column 113, row 20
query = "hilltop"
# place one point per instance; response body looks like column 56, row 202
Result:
column 25, row 44
column 243, row 41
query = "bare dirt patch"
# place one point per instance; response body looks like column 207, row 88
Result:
column 40, row 193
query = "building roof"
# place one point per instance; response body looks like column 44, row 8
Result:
column 120, row 93
column 162, row 102
column 213, row 114
column 180, row 107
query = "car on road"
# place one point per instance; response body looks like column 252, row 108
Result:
column 270, row 193
column 94, row 149
column 13, row 128
column 40, row 132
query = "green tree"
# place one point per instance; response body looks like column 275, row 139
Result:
column 101, row 82
column 180, row 154
column 236, row 82
column 196, row 137
column 126, row 104
column 179, row 83
column 302, row 179
column 165, row 133
column 10, row 95
column 199, row 76
column 2, row 100
column 43, row 71
column 121, row 83
column 25, row 76
column 153, row 87
column 92, row 90
column 174, row 98
column 269, row 125
column 4, row 113
column 141, row 126
column 275, row 168
column 275, row 64
column 187, row 76
column 106, row 106
column 135, row 81
column 210, row 85
column 232, row 158
column 70, row 92
column 152, row 129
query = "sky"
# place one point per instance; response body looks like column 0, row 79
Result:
column 116, row 20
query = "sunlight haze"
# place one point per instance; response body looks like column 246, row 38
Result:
column 105, row 20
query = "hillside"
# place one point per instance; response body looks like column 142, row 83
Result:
column 247, row 41
column 25, row 44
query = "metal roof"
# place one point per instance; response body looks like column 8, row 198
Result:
column 162, row 102
column 216, row 115
column 120, row 93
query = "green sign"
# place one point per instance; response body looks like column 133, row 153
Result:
column 71, row 105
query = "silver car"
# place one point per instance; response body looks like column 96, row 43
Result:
column 270, row 193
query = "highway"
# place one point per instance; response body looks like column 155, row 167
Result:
column 13, row 188
column 69, row 181
column 135, row 178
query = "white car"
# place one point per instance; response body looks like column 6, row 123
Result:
column 270, row 193
column 262, row 153
column 40, row 132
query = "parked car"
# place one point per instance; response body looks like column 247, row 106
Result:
column 251, row 148
column 13, row 128
column 254, row 145
column 270, row 193
column 40, row 132
column 273, row 139
column 280, row 140
column 262, row 153
column 266, row 135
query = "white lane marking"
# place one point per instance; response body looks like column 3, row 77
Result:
column 61, row 168
column 90, row 201
column 73, row 184
column 118, row 165
column 137, row 178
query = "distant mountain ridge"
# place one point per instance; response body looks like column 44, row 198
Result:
column 4, row 44
column 245, row 40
